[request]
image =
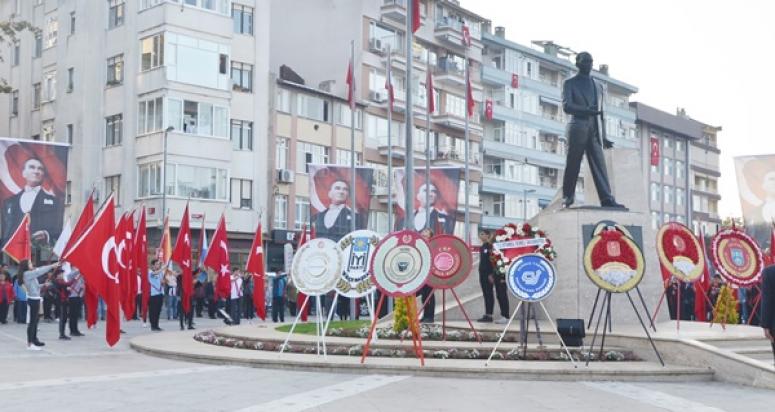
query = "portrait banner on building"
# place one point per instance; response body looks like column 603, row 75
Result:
column 442, row 197
column 330, row 203
column 756, row 187
column 33, row 176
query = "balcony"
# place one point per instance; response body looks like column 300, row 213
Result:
column 499, row 184
column 450, row 73
column 453, row 121
column 450, row 32
column 519, row 153
column 455, row 158
column 548, row 125
column 394, row 10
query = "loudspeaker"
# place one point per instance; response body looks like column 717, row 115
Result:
column 571, row 331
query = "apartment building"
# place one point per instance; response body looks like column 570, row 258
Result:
column 525, row 145
column 681, row 166
column 110, row 76
column 321, row 61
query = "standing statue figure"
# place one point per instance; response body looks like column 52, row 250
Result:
column 582, row 98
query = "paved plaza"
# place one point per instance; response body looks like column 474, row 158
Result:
column 85, row 375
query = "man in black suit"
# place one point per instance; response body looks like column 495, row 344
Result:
column 768, row 306
column 582, row 98
column 440, row 221
column 46, row 211
column 336, row 221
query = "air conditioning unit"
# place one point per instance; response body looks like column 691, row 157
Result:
column 378, row 97
column 286, row 176
column 375, row 45
column 551, row 172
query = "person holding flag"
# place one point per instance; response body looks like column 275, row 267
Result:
column 255, row 267
column 182, row 256
column 155, row 279
column 31, row 277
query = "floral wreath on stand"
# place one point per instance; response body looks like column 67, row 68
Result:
column 501, row 259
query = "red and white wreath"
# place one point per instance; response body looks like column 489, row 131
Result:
column 502, row 257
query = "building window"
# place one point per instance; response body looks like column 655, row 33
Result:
column 283, row 100
column 152, row 49
column 115, row 13
column 196, row 182
column 312, row 107
column 302, row 212
column 70, row 79
column 343, row 157
column 344, row 116
column 242, row 134
column 38, row 45
column 149, row 181
column 655, row 220
column 242, row 77
column 456, row 106
column 36, row 97
column 16, row 57
column 70, row 133
column 149, row 116
column 68, row 192
column 281, row 153
column 113, row 185
column 47, row 131
column 203, row 119
column 114, row 126
column 668, row 194
column 241, row 193
column 667, row 143
column 243, row 19
column 307, row 153
column 679, row 169
column 72, row 23
column 668, row 166
column 281, row 212
column 14, row 103
column 679, row 197
column 52, row 30
column 50, row 86
column 655, row 192
column 679, row 146
column 115, row 70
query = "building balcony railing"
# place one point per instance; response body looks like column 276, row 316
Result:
column 452, row 157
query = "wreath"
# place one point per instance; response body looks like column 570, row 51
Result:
column 501, row 259
column 680, row 252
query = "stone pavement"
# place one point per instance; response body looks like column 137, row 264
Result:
column 85, row 375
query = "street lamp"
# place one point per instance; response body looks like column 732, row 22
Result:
column 524, row 203
column 164, row 174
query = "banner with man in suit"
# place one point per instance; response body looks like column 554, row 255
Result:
column 442, row 195
column 33, row 176
column 756, row 186
column 331, row 209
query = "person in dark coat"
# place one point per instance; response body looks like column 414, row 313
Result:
column 44, row 208
column 336, row 221
column 767, row 316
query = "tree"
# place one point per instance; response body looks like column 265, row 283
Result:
column 727, row 221
column 9, row 31
column 725, row 311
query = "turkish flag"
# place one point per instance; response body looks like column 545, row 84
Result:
column 94, row 254
column 466, row 36
column 469, row 94
column 123, row 269
column 182, row 256
column 488, row 109
column 255, row 265
column 127, row 255
column 164, row 252
column 702, row 285
column 140, row 250
column 654, row 151
column 415, row 15
column 429, row 92
column 19, row 245
column 90, row 294
column 350, row 81
column 390, row 91
column 302, row 298
column 217, row 259
column 514, row 81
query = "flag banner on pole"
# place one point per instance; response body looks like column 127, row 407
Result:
column 202, row 243
column 443, row 197
column 141, row 257
column 350, row 82
column 329, row 198
column 470, row 97
column 702, row 286
column 182, row 256
column 756, row 187
column 122, row 254
column 255, row 266
column 654, row 142
column 429, row 92
column 466, row 35
column 514, row 81
column 64, row 237
column 19, row 245
column 416, row 17
column 488, row 109
column 217, row 259
column 89, row 293
column 128, row 258
column 99, row 240
column 390, row 91
column 164, row 251
column 33, row 176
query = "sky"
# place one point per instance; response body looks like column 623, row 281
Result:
column 714, row 58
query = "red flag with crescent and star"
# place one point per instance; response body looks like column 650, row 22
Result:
column 19, row 245
column 255, row 266
column 99, row 240
column 141, row 262
column 181, row 255
column 217, row 259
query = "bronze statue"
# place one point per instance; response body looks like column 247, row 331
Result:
column 582, row 98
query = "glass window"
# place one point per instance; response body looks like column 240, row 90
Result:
column 281, row 212
column 52, row 30
column 345, row 116
column 281, row 153
column 667, row 143
column 38, row 45
column 50, row 86
column 283, row 100
column 343, row 157
column 243, row 19
column 679, row 196
column 115, row 13
column 72, row 22
column 312, row 107
column 113, row 129
column 655, row 220
column 149, row 116
column 242, row 134
column 456, row 105
column 36, row 96
column 198, row 182
column 668, row 166
column 70, row 79
column 655, row 192
column 679, row 168
column 16, row 55
column 113, row 185
column 242, row 77
column 307, row 153
column 241, row 193
column 115, row 70
column 668, row 194
column 14, row 103
column 152, row 52
column 47, row 131
column 70, row 133
column 302, row 212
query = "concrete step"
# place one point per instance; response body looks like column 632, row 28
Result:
column 736, row 343
column 750, row 350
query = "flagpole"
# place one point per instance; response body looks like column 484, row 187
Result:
column 409, row 147
column 467, row 154
column 390, row 140
column 352, row 137
column 427, row 142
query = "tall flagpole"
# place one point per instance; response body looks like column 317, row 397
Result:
column 427, row 142
column 390, row 141
column 467, row 150
column 352, row 137
column 409, row 148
